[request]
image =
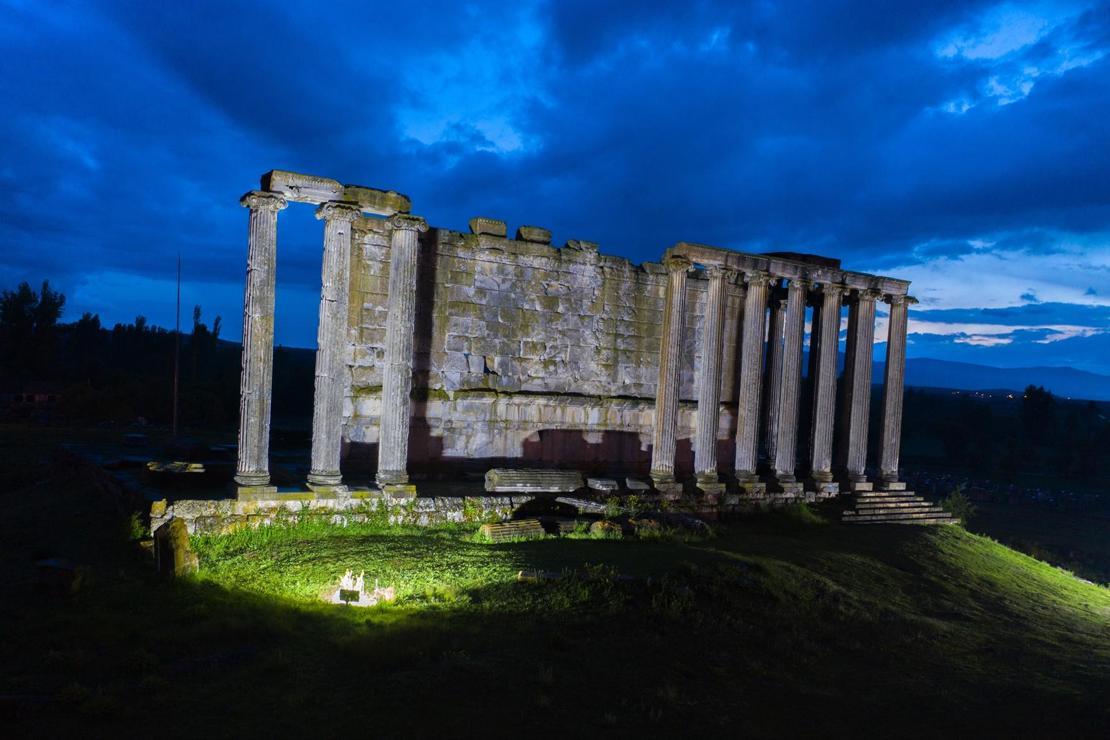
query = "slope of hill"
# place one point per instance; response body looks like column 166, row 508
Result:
column 783, row 625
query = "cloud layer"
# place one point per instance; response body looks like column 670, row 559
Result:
column 962, row 145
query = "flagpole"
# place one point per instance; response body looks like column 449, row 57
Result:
column 177, row 344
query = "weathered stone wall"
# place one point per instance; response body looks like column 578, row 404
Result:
column 521, row 348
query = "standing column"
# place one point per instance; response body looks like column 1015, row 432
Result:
column 666, row 393
column 751, row 381
column 773, row 382
column 893, row 385
column 393, row 437
column 252, row 469
column 786, row 448
column 827, row 334
column 709, row 383
column 331, row 342
column 857, row 388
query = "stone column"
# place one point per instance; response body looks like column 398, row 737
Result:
column 786, row 447
column 331, row 344
column 252, row 471
column 857, row 388
column 709, row 383
column 393, row 437
column 751, row 382
column 773, row 381
column 893, row 385
column 666, row 393
column 826, row 332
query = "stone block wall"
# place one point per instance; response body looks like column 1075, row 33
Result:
column 526, row 353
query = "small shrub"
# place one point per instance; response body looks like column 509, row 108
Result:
column 613, row 507
column 133, row 528
column 958, row 505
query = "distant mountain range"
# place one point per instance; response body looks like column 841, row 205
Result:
column 1062, row 381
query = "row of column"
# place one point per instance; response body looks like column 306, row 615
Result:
column 773, row 407
column 256, row 380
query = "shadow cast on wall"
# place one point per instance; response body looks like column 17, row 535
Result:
column 608, row 452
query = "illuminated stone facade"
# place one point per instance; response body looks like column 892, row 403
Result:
column 443, row 352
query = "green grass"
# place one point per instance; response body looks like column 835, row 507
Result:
column 784, row 624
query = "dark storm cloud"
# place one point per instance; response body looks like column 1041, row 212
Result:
column 132, row 128
column 1096, row 317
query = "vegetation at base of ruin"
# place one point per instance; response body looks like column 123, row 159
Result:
column 920, row 631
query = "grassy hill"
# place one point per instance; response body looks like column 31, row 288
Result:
column 779, row 625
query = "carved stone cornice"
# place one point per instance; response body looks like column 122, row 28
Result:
column 338, row 211
column 404, row 222
column 258, row 200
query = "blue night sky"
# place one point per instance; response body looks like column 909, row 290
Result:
column 964, row 146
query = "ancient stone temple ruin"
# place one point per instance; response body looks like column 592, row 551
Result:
column 441, row 352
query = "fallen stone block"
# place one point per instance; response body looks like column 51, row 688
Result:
column 584, row 506
column 602, row 484
column 634, row 484
column 534, row 234
column 532, row 480
column 491, row 226
column 520, row 529
column 172, row 553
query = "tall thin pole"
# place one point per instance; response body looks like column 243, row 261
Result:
column 177, row 344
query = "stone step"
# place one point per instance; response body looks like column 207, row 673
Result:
column 893, row 504
column 885, row 495
column 930, row 521
column 894, row 509
column 899, row 517
column 935, row 520
column 888, row 501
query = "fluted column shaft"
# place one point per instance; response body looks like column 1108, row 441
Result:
column 751, row 377
column 786, row 447
column 826, row 331
column 773, row 387
column 393, row 438
column 666, row 393
column 256, row 376
column 893, row 385
column 709, row 379
column 331, row 335
column 857, row 384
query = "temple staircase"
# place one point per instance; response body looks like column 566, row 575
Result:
column 893, row 507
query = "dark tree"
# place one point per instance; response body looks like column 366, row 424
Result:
column 1038, row 413
column 28, row 329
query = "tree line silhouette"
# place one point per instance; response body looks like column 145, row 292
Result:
column 125, row 373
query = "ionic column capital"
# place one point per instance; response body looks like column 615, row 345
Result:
column 406, row 222
column 260, row 200
column 677, row 263
column 338, row 211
